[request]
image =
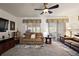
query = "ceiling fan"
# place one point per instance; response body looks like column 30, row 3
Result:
column 46, row 9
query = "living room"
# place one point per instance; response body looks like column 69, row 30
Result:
column 22, row 18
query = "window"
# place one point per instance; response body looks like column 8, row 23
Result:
column 52, row 27
column 56, row 27
column 33, row 25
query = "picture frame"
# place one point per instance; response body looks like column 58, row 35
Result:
column 12, row 25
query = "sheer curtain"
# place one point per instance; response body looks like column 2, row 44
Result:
column 56, row 28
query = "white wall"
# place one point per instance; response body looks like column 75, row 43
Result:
column 8, row 16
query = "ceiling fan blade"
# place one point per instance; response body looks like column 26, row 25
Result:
column 42, row 13
column 38, row 9
column 55, row 6
column 50, row 12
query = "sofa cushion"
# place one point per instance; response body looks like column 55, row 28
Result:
column 39, row 35
column 76, row 39
column 69, row 41
column 75, row 44
column 32, row 36
column 28, row 35
column 39, row 39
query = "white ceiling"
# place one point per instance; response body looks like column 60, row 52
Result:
column 27, row 9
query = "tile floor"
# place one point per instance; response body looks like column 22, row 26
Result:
column 55, row 49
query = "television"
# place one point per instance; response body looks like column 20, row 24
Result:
column 3, row 25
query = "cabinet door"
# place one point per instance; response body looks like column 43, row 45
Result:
column 1, row 49
column 5, row 46
column 11, row 43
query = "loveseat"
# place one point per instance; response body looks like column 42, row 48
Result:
column 32, row 39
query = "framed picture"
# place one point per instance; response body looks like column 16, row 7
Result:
column 12, row 25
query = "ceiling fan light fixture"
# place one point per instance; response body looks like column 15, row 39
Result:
column 45, row 10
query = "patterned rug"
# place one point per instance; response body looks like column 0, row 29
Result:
column 33, row 46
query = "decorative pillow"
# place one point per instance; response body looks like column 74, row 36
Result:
column 33, row 36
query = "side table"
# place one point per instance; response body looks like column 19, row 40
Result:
column 48, row 40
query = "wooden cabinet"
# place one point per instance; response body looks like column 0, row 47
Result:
column 16, row 41
column 1, row 49
column 16, row 36
column 6, row 45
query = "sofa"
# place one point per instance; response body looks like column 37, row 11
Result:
column 32, row 39
column 71, row 42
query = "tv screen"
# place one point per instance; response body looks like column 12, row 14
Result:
column 3, row 25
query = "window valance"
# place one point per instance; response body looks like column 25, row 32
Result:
column 57, row 20
column 32, row 21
